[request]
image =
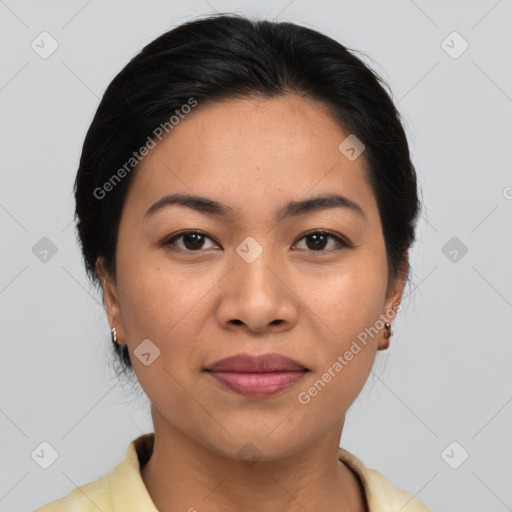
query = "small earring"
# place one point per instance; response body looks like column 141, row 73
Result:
column 389, row 332
column 387, row 335
column 113, row 333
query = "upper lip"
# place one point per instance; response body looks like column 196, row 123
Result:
column 262, row 363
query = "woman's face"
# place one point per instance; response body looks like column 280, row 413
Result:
column 252, row 282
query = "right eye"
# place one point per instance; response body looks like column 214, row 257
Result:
column 191, row 241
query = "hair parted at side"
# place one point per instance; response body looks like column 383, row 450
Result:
column 227, row 56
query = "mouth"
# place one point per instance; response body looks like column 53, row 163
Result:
column 257, row 376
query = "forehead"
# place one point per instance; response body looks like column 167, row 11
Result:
column 253, row 154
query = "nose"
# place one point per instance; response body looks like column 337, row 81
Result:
column 256, row 296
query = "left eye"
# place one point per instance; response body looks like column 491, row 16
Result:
column 318, row 241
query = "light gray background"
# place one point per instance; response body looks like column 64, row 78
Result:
column 447, row 375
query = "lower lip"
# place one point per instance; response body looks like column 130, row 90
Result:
column 258, row 385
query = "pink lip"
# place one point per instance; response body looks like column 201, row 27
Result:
column 258, row 385
column 271, row 362
column 257, row 376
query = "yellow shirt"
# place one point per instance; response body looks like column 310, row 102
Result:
column 123, row 490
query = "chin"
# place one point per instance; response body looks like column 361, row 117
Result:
column 257, row 446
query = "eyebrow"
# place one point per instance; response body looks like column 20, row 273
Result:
column 291, row 209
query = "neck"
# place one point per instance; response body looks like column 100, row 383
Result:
column 185, row 475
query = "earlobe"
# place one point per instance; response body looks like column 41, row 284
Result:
column 387, row 334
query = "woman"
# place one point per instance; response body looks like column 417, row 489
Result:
column 246, row 200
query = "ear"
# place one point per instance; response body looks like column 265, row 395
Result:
column 110, row 300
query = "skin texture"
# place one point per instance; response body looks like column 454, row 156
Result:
column 208, row 303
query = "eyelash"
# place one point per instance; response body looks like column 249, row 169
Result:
column 342, row 244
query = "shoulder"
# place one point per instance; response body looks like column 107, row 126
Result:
column 121, row 489
column 381, row 494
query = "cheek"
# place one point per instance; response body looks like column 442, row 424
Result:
column 348, row 309
column 156, row 298
column 162, row 304
column 159, row 308
column 347, row 301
